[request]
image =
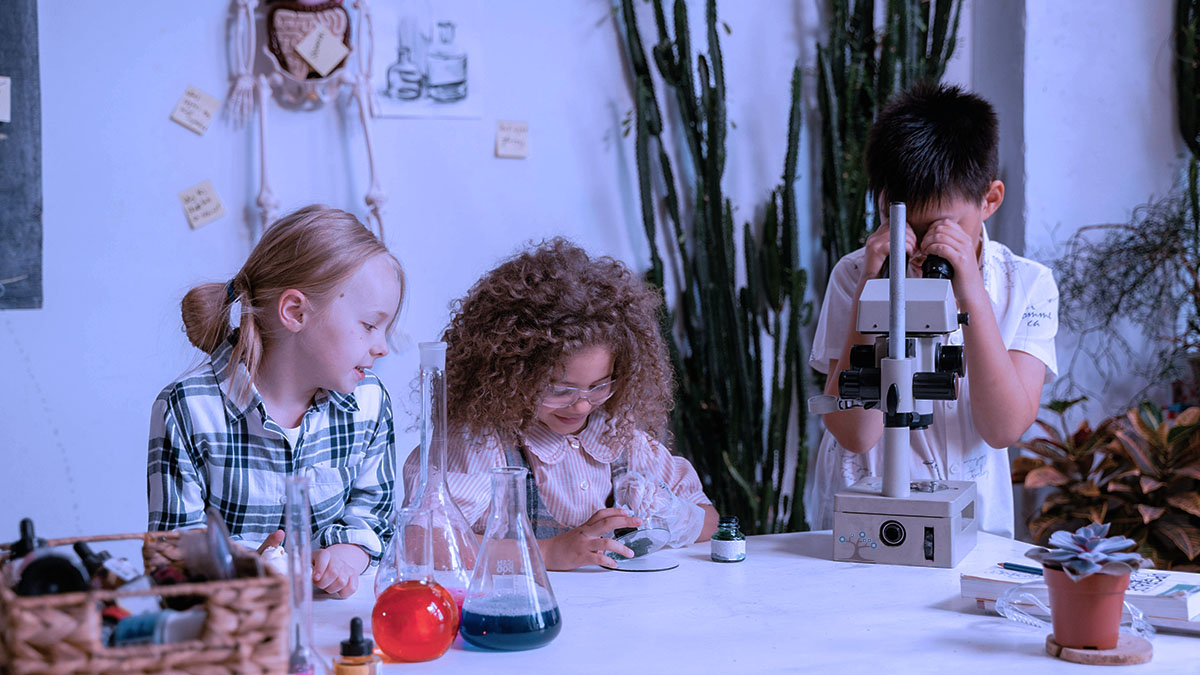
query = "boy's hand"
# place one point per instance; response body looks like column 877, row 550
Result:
column 336, row 569
column 585, row 544
column 947, row 239
column 879, row 246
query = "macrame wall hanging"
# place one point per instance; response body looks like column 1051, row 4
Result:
column 313, row 54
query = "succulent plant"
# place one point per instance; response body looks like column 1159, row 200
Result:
column 1088, row 551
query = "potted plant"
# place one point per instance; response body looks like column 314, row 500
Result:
column 1074, row 472
column 1087, row 576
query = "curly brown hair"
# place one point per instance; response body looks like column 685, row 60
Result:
column 519, row 323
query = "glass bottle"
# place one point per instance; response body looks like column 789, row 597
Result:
column 297, row 524
column 728, row 543
column 447, row 67
column 357, row 653
column 414, row 619
column 403, row 77
column 510, row 604
column 455, row 546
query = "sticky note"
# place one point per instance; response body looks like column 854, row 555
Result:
column 5, row 99
column 322, row 50
column 195, row 110
column 512, row 140
column 201, row 204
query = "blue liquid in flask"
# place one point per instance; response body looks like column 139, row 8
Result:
column 508, row 624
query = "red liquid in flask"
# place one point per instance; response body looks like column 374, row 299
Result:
column 414, row 621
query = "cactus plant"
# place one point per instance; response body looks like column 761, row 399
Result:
column 857, row 72
column 735, row 342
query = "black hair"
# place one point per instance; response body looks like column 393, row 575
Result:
column 932, row 143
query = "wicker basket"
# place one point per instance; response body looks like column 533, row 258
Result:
column 246, row 630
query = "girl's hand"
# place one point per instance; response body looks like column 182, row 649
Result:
column 273, row 541
column 336, row 569
column 585, row 544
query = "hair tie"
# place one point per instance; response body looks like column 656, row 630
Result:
column 229, row 292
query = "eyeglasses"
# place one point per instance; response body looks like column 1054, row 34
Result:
column 560, row 396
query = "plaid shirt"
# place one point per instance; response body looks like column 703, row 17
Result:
column 207, row 450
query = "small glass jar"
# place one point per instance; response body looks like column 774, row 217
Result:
column 728, row 543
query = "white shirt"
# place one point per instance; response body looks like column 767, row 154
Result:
column 1025, row 302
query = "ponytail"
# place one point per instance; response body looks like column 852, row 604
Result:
column 313, row 250
column 205, row 312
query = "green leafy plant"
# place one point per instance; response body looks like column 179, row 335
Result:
column 1080, row 464
column 1159, row 503
column 735, row 338
column 1138, row 471
column 1087, row 551
column 857, row 72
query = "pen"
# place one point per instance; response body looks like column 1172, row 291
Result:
column 1020, row 568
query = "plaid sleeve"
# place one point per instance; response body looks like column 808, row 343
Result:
column 366, row 520
column 175, row 486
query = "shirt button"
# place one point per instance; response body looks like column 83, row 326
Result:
column 574, row 443
column 283, row 500
column 583, row 485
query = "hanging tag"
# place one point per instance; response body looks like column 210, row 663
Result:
column 195, row 110
column 322, row 50
column 201, row 204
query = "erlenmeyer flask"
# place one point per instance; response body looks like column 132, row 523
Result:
column 414, row 619
column 297, row 523
column 455, row 546
column 509, row 604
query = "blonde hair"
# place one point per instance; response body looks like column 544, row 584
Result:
column 313, row 250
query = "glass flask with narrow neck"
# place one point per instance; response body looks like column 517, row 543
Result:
column 414, row 619
column 510, row 604
column 455, row 545
column 297, row 523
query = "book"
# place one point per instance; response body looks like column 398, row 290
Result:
column 1158, row 593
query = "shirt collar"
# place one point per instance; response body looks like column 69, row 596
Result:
column 239, row 400
column 551, row 447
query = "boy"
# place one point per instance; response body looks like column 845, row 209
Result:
column 935, row 148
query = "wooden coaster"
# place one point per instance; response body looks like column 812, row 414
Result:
column 1130, row 650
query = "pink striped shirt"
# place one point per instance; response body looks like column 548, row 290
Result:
column 573, row 473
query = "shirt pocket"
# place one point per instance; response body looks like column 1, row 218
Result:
column 328, row 483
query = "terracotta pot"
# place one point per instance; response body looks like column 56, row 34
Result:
column 1086, row 614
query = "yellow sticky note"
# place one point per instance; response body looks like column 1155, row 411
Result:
column 195, row 110
column 512, row 140
column 201, row 204
column 322, row 50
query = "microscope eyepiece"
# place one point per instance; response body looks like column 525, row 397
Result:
column 936, row 267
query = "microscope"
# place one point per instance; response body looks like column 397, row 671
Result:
column 894, row 519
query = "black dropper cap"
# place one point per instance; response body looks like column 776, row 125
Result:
column 25, row 545
column 92, row 561
column 357, row 645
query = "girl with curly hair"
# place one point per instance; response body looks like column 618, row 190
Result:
column 555, row 363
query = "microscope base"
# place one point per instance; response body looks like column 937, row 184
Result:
column 925, row 529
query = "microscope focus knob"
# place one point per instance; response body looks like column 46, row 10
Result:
column 949, row 359
column 860, row 384
column 862, row 356
column 935, row 386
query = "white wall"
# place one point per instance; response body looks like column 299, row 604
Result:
column 82, row 372
column 1101, row 134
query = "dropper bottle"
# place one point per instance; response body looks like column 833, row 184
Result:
column 358, row 653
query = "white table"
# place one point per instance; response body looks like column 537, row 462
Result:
column 786, row 608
